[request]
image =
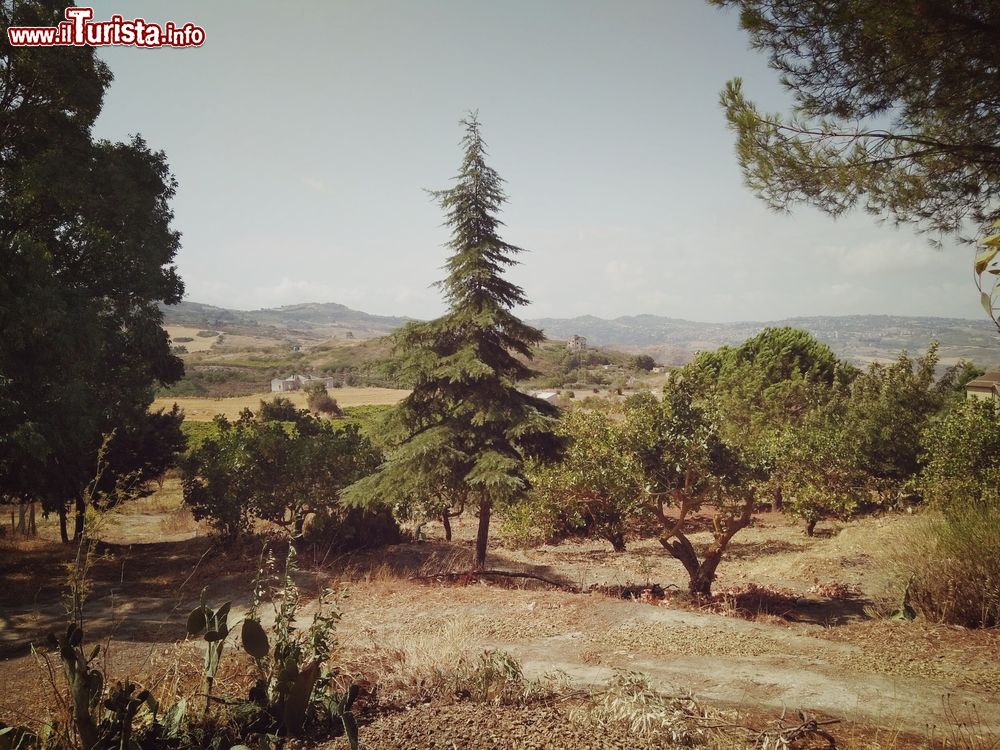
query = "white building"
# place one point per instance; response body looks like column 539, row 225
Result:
column 297, row 382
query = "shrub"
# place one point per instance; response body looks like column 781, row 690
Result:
column 951, row 560
column 279, row 409
column 320, row 401
column 951, row 566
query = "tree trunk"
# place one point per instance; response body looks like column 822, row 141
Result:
column 701, row 582
column 32, row 522
column 779, row 500
column 682, row 550
column 810, row 526
column 617, row 540
column 81, row 513
column 446, row 522
column 483, row 535
column 63, row 535
column 22, row 527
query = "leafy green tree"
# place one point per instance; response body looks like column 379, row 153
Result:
column 897, row 108
column 819, row 469
column 643, row 362
column 885, row 415
column 276, row 471
column 465, row 416
column 685, row 465
column 279, row 409
column 597, row 488
column 766, row 388
column 86, row 253
column 962, row 457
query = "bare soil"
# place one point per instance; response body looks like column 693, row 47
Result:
column 825, row 655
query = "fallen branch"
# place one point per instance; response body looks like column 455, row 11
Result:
column 782, row 737
column 472, row 575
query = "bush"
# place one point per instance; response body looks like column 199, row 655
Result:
column 280, row 409
column 952, row 566
column 951, row 561
column 320, row 401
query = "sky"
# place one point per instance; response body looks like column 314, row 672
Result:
column 304, row 136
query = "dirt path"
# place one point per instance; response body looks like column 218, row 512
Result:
column 719, row 659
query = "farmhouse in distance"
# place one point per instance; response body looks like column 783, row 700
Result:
column 298, row 382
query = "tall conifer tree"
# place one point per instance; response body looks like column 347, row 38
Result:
column 466, row 429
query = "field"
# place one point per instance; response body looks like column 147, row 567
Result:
column 205, row 409
column 813, row 639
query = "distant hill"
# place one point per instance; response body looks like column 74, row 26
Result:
column 315, row 317
column 857, row 338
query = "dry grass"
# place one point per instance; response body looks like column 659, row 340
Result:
column 197, row 409
column 196, row 344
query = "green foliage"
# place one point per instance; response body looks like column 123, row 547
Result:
column 196, row 433
column 597, row 487
column 962, row 455
column 86, row 254
column 685, row 463
column 818, row 469
column 894, row 109
column 279, row 409
column 277, row 471
column 466, row 431
column 885, row 415
column 643, row 362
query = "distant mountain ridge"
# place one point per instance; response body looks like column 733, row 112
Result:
column 859, row 338
column 306, row 316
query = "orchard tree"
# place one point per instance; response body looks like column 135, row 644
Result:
column 766, row 388
column 887, row 411
column 86, row 256
column 465, row 413
column 962, row 457
column 685, row 465
column 597, row 488
column 282, row 472
column 819, row 469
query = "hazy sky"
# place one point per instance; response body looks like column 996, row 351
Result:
column 303, row 135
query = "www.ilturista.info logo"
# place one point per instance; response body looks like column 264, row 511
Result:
column 78, row 30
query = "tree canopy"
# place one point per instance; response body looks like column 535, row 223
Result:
column 466, row 427
column 86, row 255
column 896, row 109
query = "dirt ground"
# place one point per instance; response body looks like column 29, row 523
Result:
column 830, row 656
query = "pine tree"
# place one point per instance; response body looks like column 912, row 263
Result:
column 466, row 430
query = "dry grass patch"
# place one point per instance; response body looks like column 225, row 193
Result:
column 199, row 409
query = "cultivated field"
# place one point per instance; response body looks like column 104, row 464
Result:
column 197, row 343
column 205, row 409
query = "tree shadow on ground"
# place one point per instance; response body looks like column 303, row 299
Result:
column 763, row 548
column 429, row 560
column 141, row 592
